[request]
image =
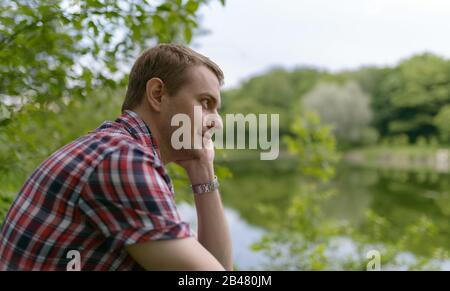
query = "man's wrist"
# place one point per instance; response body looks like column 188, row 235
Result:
column 200, row 173
column 209, row 187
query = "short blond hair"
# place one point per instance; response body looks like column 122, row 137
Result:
column 169, row 62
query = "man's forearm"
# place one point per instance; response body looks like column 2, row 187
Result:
column 213, row 231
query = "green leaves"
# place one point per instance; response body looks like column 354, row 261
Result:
column 442, row 122
column 346, row 108
column 188, row 34
column 5, row 113
column 406, row 98
column 55, row 51
column 158, row 23
column 314, row 146
column 277, row 91
column 92, row 25
column 192, row 6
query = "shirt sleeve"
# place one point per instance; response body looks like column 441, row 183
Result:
column 128, row 201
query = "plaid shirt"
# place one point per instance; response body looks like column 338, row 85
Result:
column 103, row 191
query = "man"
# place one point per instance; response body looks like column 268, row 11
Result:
column 105, row 201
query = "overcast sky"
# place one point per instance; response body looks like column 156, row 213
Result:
column 248, row 37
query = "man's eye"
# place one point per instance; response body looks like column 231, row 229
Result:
column 205, row 103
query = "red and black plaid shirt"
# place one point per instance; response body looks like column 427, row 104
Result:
column 103, row 191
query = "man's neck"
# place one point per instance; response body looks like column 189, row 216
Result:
column 151, row 123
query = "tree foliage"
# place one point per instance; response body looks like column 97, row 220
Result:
column 442, row 122
column 51, row 50
column 407, row 97
column 346, row 107
column 404, row 99
column 277, row 91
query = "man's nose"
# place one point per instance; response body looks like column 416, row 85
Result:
column 214, row 121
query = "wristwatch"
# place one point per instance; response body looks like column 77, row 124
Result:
column 207, row 187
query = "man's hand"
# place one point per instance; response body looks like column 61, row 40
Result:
column 200, row 169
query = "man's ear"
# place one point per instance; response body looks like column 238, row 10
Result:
column 154, row 91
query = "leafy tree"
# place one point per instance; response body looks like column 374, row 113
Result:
column 51, row 50
column 347, row 108
column 411, row 94
column 276, row 91
column 442, row 122
column 404, row 99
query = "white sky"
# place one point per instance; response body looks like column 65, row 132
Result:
column 248, row 37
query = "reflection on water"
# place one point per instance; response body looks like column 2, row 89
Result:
column 408, row 211
column 399, row 197
column 414, row 207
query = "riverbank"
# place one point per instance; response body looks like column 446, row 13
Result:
column 411, row 158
